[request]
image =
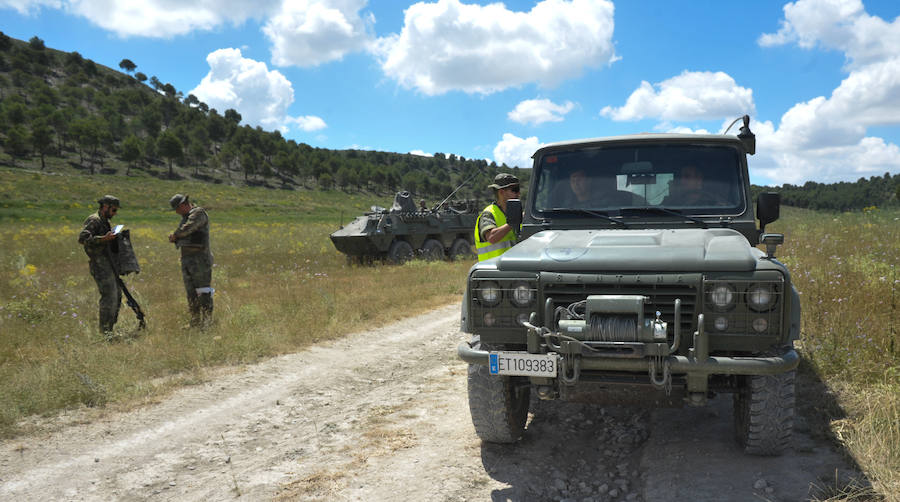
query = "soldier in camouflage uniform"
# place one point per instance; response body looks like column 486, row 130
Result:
column 192, row 238
column 98, row 240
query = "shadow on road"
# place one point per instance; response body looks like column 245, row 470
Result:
column 583, row 452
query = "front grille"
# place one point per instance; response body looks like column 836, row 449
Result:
column 662, row 289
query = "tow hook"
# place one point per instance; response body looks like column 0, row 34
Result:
column 666, row 381
column 570, row 362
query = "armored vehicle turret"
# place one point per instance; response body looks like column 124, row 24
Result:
column 404, row 232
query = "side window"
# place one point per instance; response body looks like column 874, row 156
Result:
column 544, row 187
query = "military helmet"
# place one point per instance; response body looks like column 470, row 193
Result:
column 177, row 200
column 109, row 200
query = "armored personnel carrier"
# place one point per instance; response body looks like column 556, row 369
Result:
column 404, row 232
column 637, row 280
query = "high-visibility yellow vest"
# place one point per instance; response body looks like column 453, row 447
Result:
column 485, row 249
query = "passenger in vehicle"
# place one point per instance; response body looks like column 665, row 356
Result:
column 689, row 190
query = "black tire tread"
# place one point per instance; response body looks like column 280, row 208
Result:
column 400, row 252
column 498, row 413
column 432, row 250
column 461, row 249
column 764, row 414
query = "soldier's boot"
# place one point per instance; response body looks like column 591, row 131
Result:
column 196, row 314
column 205, row 302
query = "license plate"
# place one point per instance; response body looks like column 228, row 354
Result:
column 522, row 364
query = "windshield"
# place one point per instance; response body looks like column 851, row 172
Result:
column 686, row 178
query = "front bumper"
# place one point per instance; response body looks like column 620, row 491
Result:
column 718, row 365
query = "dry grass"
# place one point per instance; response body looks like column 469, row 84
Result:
column 280, row 286
column 846, row 268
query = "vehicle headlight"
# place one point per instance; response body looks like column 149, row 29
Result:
column 761, row 297
column 489, row 293
column 522, row 294
column 722, row 296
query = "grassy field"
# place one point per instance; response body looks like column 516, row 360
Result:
column 280, row 286
column 847, row 269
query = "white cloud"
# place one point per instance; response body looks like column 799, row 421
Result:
column 308, row 123
column 841, row 25
column 538, row 111
column 262, row 97
column 26, row 7
column 826, row 138
column 153, row 18
column 420, row 153
column 515, row 151
column 312, row 32
column 693, row 95
column 447, row 45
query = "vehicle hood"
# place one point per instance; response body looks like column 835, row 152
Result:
column 595, row 251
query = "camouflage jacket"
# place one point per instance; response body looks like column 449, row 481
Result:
column 192, row 235
column 95, row 227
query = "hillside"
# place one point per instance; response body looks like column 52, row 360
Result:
column 64, row 113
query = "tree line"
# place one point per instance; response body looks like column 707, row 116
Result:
column 61, row 106
column 878, row 191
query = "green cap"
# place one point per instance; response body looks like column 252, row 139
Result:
column 109, row 200
column 177, row 200
column 504, row 180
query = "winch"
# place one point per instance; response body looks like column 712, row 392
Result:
column 613, row 318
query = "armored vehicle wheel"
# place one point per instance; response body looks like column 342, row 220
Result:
column 400, row 252
column 498, row 404
column 461, row 249
column 764, row 413
column 432, row 250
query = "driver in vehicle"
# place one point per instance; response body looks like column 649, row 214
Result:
column 689, row 190
column 588, row 192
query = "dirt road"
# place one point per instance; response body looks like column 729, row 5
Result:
column 383, row 415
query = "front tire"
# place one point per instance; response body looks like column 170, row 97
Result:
column 400, row 252
column 764, row 413
column 498, row 404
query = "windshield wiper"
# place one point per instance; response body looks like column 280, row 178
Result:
column 665, row 210
column 575, row 210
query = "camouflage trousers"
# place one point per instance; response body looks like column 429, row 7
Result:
column 196, row 270
column 110, row 293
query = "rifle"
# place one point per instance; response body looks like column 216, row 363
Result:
column 130, row 301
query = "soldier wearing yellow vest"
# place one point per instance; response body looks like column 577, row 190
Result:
column 493, row 235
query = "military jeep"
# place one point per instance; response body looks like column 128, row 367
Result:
column 637, row 280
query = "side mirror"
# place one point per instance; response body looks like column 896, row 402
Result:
column 748, row 139
column 514, row 214
column 768, row 207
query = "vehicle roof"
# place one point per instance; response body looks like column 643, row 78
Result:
column 642, row 137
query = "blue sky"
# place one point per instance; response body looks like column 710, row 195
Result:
column 819, row 78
